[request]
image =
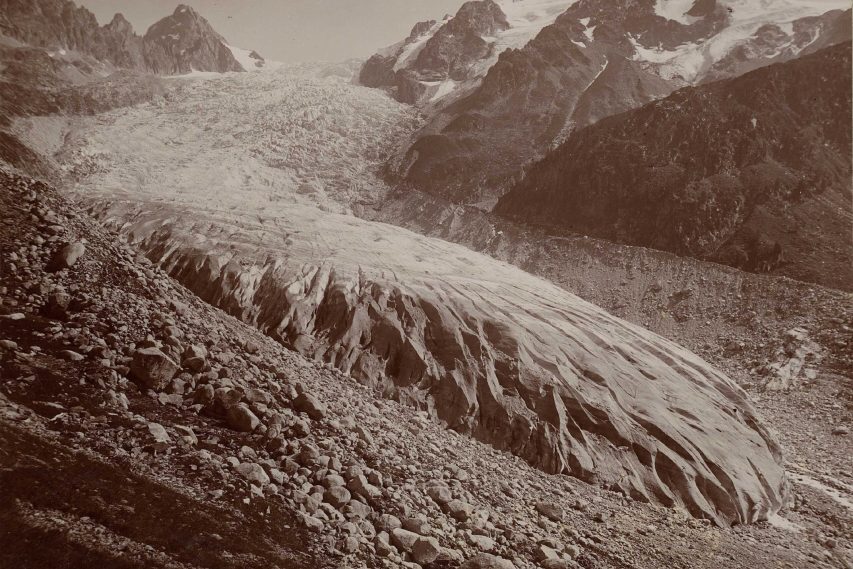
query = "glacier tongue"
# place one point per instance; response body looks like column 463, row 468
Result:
column 488, row 349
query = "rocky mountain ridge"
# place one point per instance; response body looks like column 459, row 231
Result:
column 598, row 59
column 177, row 44
column 761, row 182
column 440, row 61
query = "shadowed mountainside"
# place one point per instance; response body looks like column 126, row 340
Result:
column 753, row 172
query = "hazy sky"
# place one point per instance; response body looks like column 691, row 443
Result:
column 292, row 30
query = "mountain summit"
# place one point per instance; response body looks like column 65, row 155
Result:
column 185, row 42
column 595, row 60
column 179, row 43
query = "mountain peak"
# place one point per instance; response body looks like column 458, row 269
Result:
column 184, row 10
column 120, row 24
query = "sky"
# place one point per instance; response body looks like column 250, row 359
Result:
column 292, row 30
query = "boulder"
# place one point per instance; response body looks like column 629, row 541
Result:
column 439, row 492
column 550, row 510
column 487, row 561
column 458, row 510
column 67, row 256
column 240, row 418
column 152, row 369
column 404, row 539
column 426, row 550
column 253, row 472
column 310, row 405
column 337, row 496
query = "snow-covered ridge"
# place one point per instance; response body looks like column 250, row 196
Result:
column 689, row 61
column 251, row 60
column 412, row 49
column 526, row 19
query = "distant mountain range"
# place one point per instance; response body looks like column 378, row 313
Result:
column 596, row 59
column 177, row 44
column 753, row 173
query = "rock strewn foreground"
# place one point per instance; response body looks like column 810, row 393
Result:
column 94, row 459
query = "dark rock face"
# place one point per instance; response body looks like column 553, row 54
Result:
column 761, row 182
column 176, row 44
column 378, row 71
column 184, row 42
column 459, row 42
column 432, row 55
column 597, row 59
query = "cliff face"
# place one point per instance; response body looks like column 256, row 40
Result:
column 184, row 42
column 179, row 43
column 440, row 62
column 753, row 172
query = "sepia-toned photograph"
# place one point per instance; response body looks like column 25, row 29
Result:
column 426, row 284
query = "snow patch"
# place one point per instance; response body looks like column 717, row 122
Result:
column 675, row 10
column 411, row 51
column 445, row 88
column 840, row 498
column 249, row 63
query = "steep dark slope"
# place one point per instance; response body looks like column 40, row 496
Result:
column 753, row 172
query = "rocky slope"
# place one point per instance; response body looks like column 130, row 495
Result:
column 440, row 61
column 179, row 43
column 258, row 457
column 598, row 59
column 761, row 182
column 483, row 347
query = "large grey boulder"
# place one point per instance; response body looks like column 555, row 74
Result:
column 152, row 369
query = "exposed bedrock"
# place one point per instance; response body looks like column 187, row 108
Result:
column 488, row 349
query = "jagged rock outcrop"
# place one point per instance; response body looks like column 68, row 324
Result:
column 598, row 59
column 179, row 43
column 185, row 42
column 379, row 70
column 761, row 182
column 439, row 62
column 485, row 348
